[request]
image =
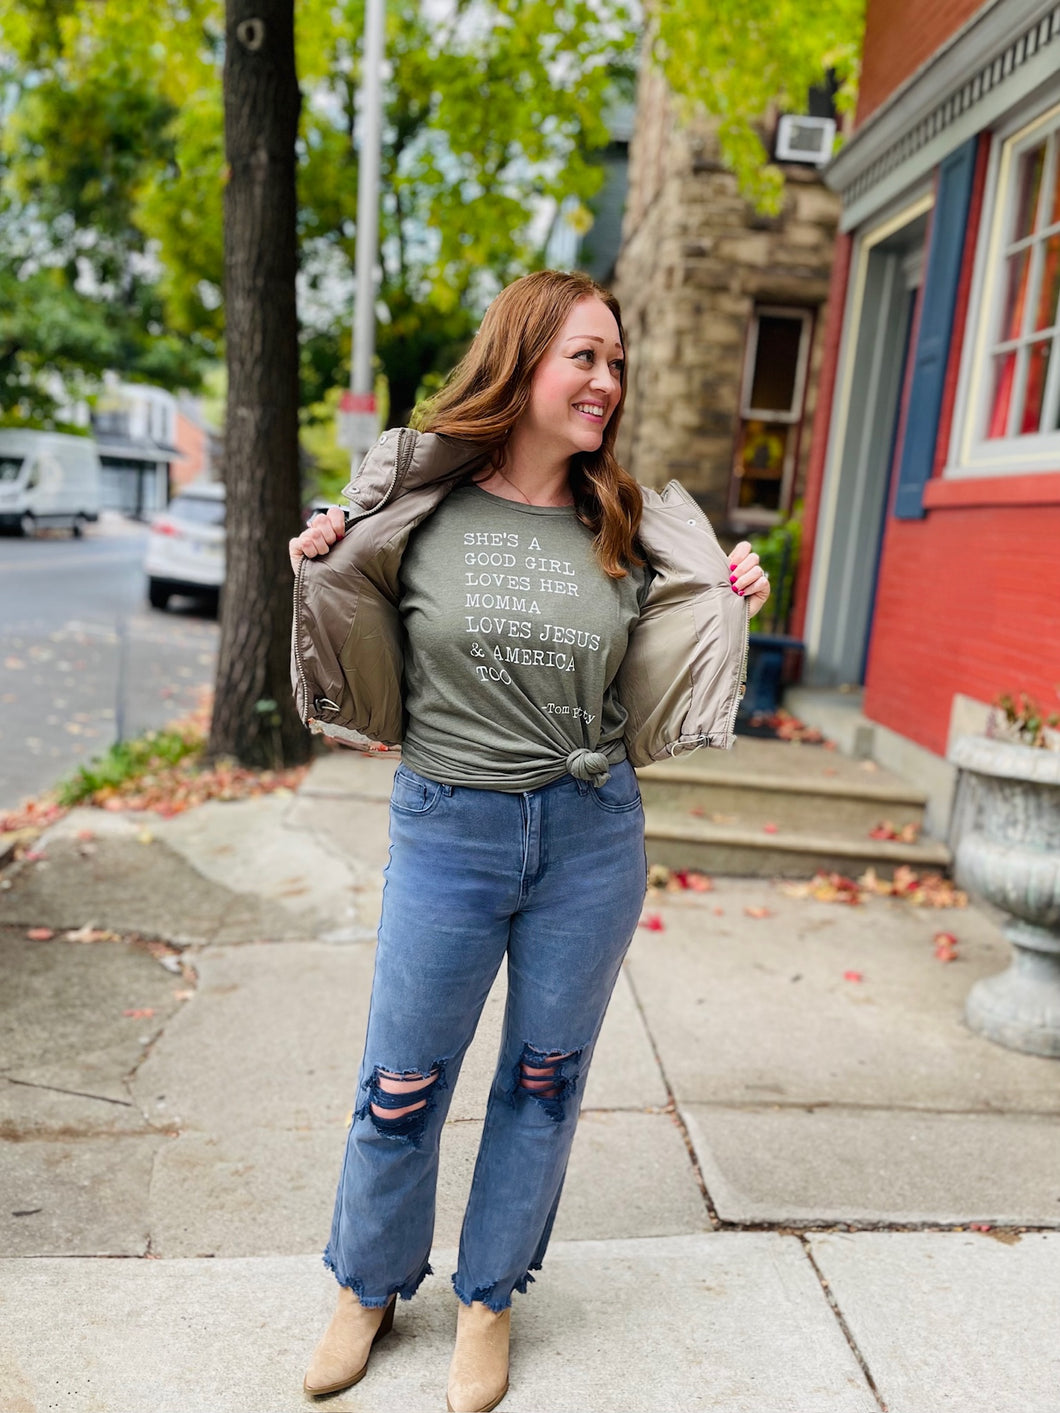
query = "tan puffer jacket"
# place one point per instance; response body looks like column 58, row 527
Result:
column 680, row 681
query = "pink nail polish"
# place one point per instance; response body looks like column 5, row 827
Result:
column 732, row 568
column 740, row 592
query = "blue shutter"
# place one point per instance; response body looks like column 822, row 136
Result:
column 939, row 295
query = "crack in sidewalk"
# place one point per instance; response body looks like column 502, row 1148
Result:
column 848, row 1335
column 77, row 1093
column 671, row 1106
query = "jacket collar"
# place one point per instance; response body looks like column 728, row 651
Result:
column 414, row 459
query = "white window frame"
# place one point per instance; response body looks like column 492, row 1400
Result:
column 752, row 516
column 971, row 453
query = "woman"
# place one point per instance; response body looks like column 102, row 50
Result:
column 508, row 603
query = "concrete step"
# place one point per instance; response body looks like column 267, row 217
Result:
column 774, row 782
column 742, row 852
column 774, row 808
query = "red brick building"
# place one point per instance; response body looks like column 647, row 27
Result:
column 931, row 575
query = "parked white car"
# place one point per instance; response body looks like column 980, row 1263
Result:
column 47, row 480
column 186, row 549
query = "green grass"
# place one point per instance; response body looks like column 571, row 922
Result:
column 124, row 761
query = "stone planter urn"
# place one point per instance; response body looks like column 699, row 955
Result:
column 1011, row 856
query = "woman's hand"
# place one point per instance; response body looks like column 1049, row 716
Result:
column 747, row 577
column 318, row 536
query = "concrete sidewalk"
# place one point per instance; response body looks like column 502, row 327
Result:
column 769, row 1201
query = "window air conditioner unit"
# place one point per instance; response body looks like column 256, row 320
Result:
column 801, row 138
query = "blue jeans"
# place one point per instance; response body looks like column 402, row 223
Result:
column 555, row 878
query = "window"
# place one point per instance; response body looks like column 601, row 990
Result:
column 1023, row 396
column 771, row 400
column 1011, row 403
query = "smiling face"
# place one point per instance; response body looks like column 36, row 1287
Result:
column 578, row 383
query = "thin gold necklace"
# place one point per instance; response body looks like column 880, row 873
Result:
column 525, row 497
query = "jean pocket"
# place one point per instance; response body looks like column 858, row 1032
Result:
column 620, row 793
column 412, row 793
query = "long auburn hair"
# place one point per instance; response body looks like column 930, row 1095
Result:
column 489, row 390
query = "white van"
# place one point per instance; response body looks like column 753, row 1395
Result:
column 47, row 479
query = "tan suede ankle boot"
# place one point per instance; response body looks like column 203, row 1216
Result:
column 341, row 1357
column 478, row 1375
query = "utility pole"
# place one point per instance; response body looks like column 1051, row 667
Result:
column 358, row 416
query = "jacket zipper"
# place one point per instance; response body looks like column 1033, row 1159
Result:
column 741, row 680
column 402, row 461
column 298, row 636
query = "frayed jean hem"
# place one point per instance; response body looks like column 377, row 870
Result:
column 488, row 1294
column 404, row 1290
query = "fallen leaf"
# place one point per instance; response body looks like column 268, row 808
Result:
column 690, row 879
column 719, row 912
column 89, row 933
column 853, row 976
column 653, row 923
column 787, row 727
column 758, row 912
column 145, row 836
column 825, row 888
column 697, row 882
column 945, row 947
column 929, row 890
column 34, row 856
column 978, row 1226
column 85, row 834
column 183, row 995
column 40, row 934
column 907, row 834
column 143, row 1013
column 698, row 811
column 769, row 828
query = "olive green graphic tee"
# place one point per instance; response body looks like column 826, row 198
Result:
column 514, row 637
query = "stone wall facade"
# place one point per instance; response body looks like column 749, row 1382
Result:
column 695, row 261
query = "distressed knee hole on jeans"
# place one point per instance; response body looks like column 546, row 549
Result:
column 548, row 1075
column 398, row 1103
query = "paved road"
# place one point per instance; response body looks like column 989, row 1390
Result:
column 68, row 609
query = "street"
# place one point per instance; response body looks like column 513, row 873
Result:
column 70, row 611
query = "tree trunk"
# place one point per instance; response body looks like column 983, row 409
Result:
column 254, row 718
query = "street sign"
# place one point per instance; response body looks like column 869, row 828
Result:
column 358, row 420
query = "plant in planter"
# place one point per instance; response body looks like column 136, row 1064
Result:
column 774, row 659
column 1011, row 856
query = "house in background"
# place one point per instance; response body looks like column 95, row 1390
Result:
column 151, row 443
column 930, row 580
column 723, row 309
column 198, row 444
column 135, row 427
